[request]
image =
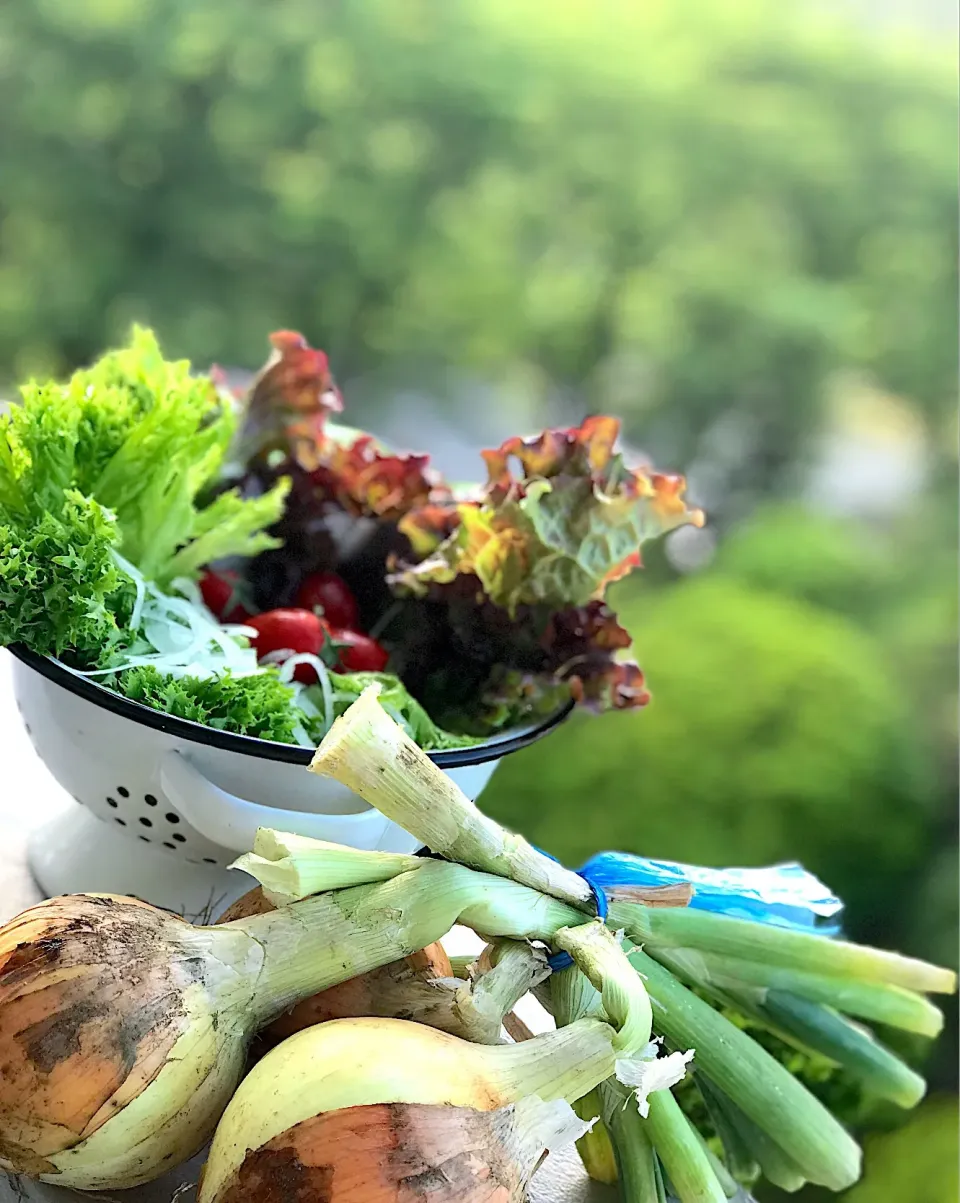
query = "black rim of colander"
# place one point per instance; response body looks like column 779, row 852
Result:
column 248, row 745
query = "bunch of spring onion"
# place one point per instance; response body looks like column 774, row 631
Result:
column 811, row 991
column 124, row 1030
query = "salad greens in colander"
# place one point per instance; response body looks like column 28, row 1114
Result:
column 241, row 561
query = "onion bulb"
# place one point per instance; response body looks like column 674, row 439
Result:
column 387, row 1111
column 384, row 1110
column 119, row 1038
column 385, row 1153
column 124, row 1029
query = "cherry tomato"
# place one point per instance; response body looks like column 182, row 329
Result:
column 219, row 593
column 358, row 653
column 329, row 593
column 290, row 630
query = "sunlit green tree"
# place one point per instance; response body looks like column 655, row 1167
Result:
column 686, row 212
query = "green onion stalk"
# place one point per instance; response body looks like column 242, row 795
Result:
column 800, row 984
column 484, row 904
column 655, row 1141
column 472, row 998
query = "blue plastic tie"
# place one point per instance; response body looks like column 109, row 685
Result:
column 781, row 895
column 563, row 960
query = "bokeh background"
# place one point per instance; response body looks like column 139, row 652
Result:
column 731, row 222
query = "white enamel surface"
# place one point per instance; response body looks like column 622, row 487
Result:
column 74, row 852
column 172, row 814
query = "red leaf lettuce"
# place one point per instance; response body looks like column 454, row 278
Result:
column 491, row 606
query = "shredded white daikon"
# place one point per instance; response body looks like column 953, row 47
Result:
column 287, row 670
column 189, row 589
column 179, row 636
column 139, row 583
column 302, row 738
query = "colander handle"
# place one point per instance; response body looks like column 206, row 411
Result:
column 232, row 822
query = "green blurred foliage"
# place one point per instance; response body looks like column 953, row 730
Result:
column 824, row 560
column 920, row 625
column 776, row 732
column 677, row 210
column 899, row 580
column 931, row 910
column 917, row 1163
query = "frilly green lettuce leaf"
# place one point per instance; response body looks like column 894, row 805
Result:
column 263, row 706
column 60, row 586
column 143, row 437
column 230, row 525
column 115, row 459
column 260, row 705
column 180, row 427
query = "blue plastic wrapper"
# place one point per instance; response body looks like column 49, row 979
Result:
column 783, row 895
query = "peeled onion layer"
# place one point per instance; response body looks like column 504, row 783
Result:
column 391, row 1153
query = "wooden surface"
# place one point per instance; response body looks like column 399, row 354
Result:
column 29, row 796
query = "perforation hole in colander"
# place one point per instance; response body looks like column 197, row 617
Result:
column 153, row 824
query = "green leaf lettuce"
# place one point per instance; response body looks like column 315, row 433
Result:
column 116, row 459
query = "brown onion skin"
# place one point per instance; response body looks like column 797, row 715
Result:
column 389, row 1153
column 399, row 990
column 88, row 1015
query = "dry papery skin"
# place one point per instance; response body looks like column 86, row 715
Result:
column 89, row 1017
column 406, row 989
column 390, row 1153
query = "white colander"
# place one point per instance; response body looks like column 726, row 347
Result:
column 168, row 803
